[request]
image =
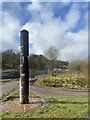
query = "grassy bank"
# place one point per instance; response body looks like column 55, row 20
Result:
column 58, row 108
column 75, row 82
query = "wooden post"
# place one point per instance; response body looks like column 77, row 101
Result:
column 24, row 67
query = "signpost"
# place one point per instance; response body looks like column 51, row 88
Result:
column 24, row 67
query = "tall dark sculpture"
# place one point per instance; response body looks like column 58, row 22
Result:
column 24, row 67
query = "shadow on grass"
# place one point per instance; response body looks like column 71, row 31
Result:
column 9, row 98
column 56, row 102
column 66, row 102
column 50, row 101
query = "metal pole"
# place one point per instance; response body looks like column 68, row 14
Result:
column 24, row 67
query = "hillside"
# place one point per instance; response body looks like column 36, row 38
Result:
column 11, row 60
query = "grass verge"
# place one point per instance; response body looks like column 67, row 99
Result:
column 58, row 108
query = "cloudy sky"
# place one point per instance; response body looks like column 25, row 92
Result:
column 62, row 24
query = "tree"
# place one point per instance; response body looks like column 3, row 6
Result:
column 10, row 59
column 37, row 62
column 52, row 54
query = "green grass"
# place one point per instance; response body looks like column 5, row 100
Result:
column 62, row 81
column 14, row 94
column 58, row 108
column 64, row 108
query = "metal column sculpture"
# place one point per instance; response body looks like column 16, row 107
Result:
column 24, row 67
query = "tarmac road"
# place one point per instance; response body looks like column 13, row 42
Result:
column 56, row 92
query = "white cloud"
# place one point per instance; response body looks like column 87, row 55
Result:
column 78, row 45
column 48, row 30
column 34, row 6
column 44, row 35
column 10, row 31
column 1, row 30
column 45, row 0
column 73, row 16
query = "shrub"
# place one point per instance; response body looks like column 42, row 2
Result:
column 62, row 81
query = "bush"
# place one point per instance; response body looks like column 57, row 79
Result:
column 62, row 81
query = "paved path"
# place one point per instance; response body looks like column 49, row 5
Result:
column 8, row 86
column 58, row 92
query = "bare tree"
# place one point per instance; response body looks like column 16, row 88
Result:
column 52, row 54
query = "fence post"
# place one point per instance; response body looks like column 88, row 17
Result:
column 24, row 67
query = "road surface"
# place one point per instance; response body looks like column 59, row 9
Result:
column 57, row 92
